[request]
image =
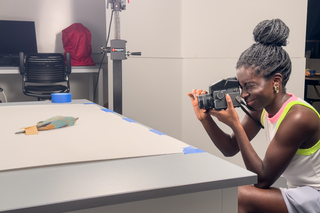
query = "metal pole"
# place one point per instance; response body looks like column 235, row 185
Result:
column 117, row 24
column 117, row 71
column 117, row 86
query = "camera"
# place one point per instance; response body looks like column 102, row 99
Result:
column 216, row 98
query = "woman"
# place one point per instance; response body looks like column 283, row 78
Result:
column 292, row 127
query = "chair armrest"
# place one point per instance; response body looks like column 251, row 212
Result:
column 68, row 59
column 21, row 63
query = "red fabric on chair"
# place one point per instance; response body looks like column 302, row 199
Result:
column 76, row 40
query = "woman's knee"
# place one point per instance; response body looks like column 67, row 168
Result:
column 244, row 192
column 253, row 199
column 244, row 198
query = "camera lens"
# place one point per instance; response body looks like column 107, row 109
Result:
column 205, row 101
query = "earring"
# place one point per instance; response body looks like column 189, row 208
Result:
column 276, row 88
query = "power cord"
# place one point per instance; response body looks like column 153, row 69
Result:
column 104, row 54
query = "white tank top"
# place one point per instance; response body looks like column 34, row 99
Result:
column 304, row 169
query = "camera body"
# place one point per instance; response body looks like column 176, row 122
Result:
column 216, row 98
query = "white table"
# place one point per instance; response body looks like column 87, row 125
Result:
column 75, row 69
column 177, row 182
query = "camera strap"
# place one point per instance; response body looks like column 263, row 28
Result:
column 242, row 104
column 246, row 111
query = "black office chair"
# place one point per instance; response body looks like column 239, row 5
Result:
column 44, row 74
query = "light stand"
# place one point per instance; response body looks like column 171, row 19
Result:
column 118, row 53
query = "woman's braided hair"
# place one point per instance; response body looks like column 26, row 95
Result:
column 267, row 55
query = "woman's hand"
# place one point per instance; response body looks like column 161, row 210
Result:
column 200, row 113
column 229, row 116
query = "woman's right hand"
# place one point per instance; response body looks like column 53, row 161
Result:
column 200, row 113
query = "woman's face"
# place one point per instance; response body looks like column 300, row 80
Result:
column 255, row 90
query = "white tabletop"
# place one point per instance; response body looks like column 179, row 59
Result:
column 73, row 186
column 98, row 134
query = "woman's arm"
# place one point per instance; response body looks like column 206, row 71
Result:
column 226, row 143
column 297, row 127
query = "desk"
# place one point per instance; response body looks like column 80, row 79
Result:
column 75, row 69
column 310, row 80
column 175, row 182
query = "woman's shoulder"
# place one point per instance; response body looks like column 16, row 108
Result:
column 299, row 106
column 303, row 122
column 303, row 116
column 299, row 110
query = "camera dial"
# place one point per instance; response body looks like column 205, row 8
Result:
column 220, row 95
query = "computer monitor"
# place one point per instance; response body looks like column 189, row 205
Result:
column 15, row 37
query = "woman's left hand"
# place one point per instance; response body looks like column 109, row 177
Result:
column 228, row 116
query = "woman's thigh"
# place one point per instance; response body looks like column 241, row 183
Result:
column 253, row 199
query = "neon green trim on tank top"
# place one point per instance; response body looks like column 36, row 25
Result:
column 308, row 151
column 263, row 117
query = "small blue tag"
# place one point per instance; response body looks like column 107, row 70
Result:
column 107, row 110
column 129, row 120
column 88, row 103
column 191, row 150
column 156, row 131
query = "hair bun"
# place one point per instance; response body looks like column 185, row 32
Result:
column 271, row 32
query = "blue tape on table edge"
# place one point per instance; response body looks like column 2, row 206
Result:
column 156, row 131
column 192, row 150
column 88, row 103
column 133, row 121
column 107, row 110
column 129, row 120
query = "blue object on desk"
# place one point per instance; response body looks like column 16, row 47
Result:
column 129, row 120
column 192, row 150
column 156, row 131
column 107, row 110
column 61, row 97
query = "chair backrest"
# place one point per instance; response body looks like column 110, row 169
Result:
column 45, row 68
column 44, row 74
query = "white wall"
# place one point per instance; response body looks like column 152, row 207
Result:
column 51, row 17
column 189, row 44
column 152, row 83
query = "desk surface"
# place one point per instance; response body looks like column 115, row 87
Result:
column 69, row 187
column 74, row 69
column 312, row 77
